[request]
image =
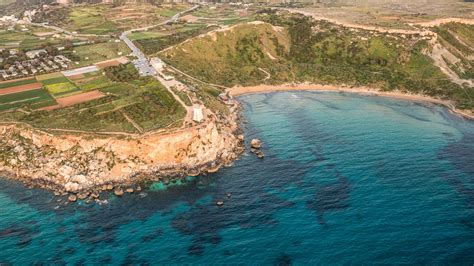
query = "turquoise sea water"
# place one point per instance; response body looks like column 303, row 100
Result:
column 347, row 179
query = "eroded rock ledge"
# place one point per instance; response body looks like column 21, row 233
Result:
column 85, row 164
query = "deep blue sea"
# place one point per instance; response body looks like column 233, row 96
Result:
column 347, row 179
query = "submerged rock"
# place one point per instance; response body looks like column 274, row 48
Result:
column 220, row 203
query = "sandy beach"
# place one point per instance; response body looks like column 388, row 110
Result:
column 235, row 91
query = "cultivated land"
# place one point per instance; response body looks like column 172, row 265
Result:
column 200, row 21
column 112, row 100
column 109, row 19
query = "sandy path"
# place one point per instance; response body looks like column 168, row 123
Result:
column 235, row 91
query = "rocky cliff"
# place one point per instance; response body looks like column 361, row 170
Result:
column 69, row 163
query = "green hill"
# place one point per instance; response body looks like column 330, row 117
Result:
column 304, row 50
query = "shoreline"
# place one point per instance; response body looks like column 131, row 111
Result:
column 82, row 166
column 362, row 90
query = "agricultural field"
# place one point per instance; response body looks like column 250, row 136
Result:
column 33, row 98
column 142, row 35
column 108, row 19
column 24, row 38
column 8, row 84
column 393, row 15
column 93, row 102
column 88, row 54
column 198, row 22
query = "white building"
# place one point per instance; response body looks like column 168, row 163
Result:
column 197, row 114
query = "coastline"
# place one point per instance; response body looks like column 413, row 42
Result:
column 82, row 166
column 265, row 88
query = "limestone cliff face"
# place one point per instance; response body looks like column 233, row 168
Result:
column 80, row 162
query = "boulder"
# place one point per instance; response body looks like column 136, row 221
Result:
column 129, row 190
column 82, row 196
column 256, row 143
column 72, row 186
column 72, row 198
column 220, row 203
column 118, row 191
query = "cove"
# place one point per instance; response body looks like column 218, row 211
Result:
column 346, row 179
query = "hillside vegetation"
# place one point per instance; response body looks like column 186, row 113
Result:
column 459, row 40
column 293, row 48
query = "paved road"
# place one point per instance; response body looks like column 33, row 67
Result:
column 142, row 63
column 145, row 68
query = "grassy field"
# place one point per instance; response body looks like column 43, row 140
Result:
column 145, row 35
column 171, row 10
column 170, row 36
column 93, row 53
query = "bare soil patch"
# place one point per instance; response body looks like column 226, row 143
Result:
column 75, row 99
column 26, row 87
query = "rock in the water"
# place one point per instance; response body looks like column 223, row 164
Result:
column 256, row 143
column 82, row 196
column 241, row 138
column 94, row 195
column 129, row 190
column 138, row 189
column 260, row 154
column 229, row 195
column 220, row 203
column 110, row 187
column 72, row 198
column 118, row 191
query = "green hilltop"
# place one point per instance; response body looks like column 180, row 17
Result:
column 294, row 48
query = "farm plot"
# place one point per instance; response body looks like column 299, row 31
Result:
column 19, row 82
column 49, row 76
column 33, row 98
column 92, row 82
column 90, row 54
column 20, row 88
column 60, row 86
